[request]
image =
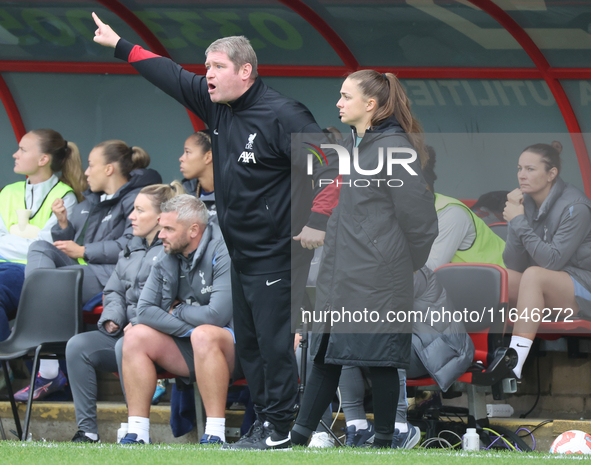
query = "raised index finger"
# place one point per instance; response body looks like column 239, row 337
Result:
column 97, row 20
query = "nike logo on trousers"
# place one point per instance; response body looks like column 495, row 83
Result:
column 272, row 282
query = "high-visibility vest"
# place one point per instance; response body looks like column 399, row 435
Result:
column 12, row 198
column 487, row 246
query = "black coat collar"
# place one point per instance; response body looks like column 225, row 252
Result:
column 250, row 97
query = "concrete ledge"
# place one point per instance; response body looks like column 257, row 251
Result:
column 106, row 411
column 55, row 421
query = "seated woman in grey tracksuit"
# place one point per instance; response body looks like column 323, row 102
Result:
column 548, row 251
column 94, row 234
column 88, row 352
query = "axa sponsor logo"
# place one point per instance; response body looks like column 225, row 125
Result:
column 248, row 155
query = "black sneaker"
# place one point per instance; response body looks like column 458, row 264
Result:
column 359, row 438
column 80, row 436
column 253, row 434
column 267, row 438
column 270, row 439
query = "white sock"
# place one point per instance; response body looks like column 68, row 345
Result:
column 522, row 346
column 92, row 436
column 216, row 427
column 139, row 426
column 358, row 424
column 401, row 427
column 49, row 369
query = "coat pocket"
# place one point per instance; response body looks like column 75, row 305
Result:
column 270, row 217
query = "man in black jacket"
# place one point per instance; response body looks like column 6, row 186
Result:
column 259, row 217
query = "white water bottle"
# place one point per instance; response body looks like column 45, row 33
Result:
column 471, row 440
column 121, row 432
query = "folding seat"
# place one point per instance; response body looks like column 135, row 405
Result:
column 480, row 292
column 500, row 229
column 49, row 314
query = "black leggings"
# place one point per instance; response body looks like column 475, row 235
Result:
column 322, row 386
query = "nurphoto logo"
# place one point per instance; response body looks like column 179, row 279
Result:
column 345, row 164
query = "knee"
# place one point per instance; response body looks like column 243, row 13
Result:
column 514, row 277
column 75, row 346
column 39, row 246
column 138, row 338
column 533, row 276
column 204, row 339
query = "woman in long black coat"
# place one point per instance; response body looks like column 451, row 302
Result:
column 380, row 232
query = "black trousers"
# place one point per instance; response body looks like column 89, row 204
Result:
column 264, row 340
column 323, row 383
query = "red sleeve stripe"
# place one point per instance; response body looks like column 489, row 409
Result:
column 328, row 198
column 139, row 54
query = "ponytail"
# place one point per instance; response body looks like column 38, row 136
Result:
column 65, row 157
column 391, row 99
column 127, row 158
column 160, row 193
column 139, row 158
column 72, row 173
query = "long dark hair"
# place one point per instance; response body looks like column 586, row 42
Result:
column 391, row 99
column 65, row 157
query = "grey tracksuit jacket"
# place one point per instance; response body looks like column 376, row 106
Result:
column 103, row 228
column 123, row 289
column 205, row 295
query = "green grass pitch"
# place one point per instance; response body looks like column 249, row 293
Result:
column 12, row 452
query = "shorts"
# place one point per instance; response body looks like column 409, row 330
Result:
column 186, row 349
column 583, row 298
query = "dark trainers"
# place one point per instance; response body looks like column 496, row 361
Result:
column 210, row 439
column 253, row 434
column 80, row 436
column 406, row 440
column 357, row 438
column 43, row 387
column 130, row 439
column 269, row 439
